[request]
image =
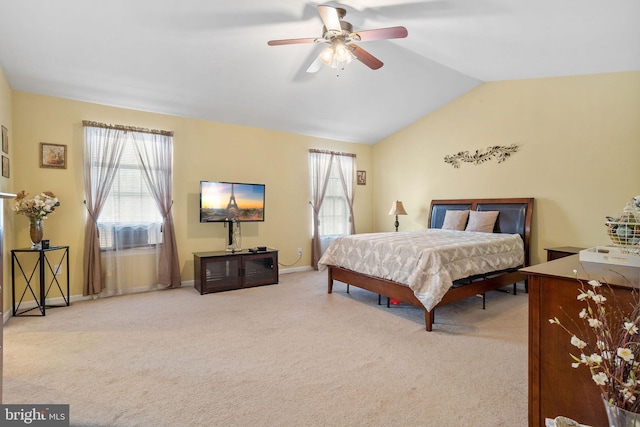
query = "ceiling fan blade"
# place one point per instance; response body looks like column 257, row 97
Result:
column 291, row 41
column 315, row 66
column 365, row 57
column 330, row 17
column 380, row 34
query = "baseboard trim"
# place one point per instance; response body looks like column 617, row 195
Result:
column 75, row 298
column 295, row 269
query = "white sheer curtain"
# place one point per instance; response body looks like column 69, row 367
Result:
column 135, row 221
column 101, row 156
column 155, row 153
column 348, row 177
column 321, row 163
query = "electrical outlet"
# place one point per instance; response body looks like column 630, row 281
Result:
column 299, row 251
column 57, row 269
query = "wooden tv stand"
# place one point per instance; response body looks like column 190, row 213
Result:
column 223, row 271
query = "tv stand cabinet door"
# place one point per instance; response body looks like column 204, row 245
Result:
column 260, row 269
column 218, row 274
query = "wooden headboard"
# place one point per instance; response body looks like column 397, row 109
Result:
column 514, row 217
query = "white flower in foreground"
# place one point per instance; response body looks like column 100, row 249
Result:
column 595, row 323
column 600, row 378
column 630, row 382
column 628, row 395
column 595, row 283
column 596, row 358
column 583, row 313
column 598, row 298
column 577, row 342
column 631, row 328
column 626, row 354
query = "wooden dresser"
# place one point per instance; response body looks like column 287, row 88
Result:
column 555, row 388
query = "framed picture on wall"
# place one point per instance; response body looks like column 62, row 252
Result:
column 53, row 156
column 5, row 166
column 5, row 140
column 362, row 177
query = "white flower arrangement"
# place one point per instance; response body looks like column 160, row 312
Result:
column 36, row 208
column 608, row 344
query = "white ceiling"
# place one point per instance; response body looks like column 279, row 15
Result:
column 209, row 59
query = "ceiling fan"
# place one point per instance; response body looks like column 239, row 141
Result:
column 340, row 37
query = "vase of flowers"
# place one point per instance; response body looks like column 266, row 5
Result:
column 608, row 345
column 36, row 210
column 36, row 232
column 619, row 417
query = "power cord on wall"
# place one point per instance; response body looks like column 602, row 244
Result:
column 291, row 265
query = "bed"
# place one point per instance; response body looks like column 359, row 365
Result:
column 406, row 280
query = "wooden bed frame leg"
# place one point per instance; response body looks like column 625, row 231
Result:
column 329, row 283
column 428, row 319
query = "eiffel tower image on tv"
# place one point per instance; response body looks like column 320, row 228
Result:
column 232, row 206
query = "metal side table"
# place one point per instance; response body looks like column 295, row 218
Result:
column 47, row 269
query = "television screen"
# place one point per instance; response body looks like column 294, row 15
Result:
column 226, row 201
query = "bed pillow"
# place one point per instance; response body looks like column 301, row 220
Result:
column 482, row 221
column 455, row 220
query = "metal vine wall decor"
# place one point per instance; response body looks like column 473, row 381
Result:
column 500, row 152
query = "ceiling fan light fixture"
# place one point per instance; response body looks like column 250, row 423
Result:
column 337, row 55
column 342, row 52
column 326, row 56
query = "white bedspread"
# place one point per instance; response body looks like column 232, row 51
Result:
column 428, row 261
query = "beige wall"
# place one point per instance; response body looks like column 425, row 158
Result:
column 579, row 141
column 202, row 151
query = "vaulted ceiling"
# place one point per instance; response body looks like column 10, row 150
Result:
column 210, row 60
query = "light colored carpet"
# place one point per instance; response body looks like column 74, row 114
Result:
column 280, row 355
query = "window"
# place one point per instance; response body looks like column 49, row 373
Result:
column 334, row 212
column 130, row 217
column 332, row 187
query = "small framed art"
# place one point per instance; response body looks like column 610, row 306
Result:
column 53, row 156
column 362, row 177
column 5, row 166
column 5, row 140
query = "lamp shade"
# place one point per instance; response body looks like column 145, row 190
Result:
column 397, row 208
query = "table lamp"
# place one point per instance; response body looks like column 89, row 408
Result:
column 397, row 209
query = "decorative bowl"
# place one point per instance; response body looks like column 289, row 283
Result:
column 625, row 229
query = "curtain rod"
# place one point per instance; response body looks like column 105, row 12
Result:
column 313, row 150
column 127, row 128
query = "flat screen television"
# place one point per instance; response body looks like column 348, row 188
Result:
column 229, row 201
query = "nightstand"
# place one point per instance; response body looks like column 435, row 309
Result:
column 561, row 252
